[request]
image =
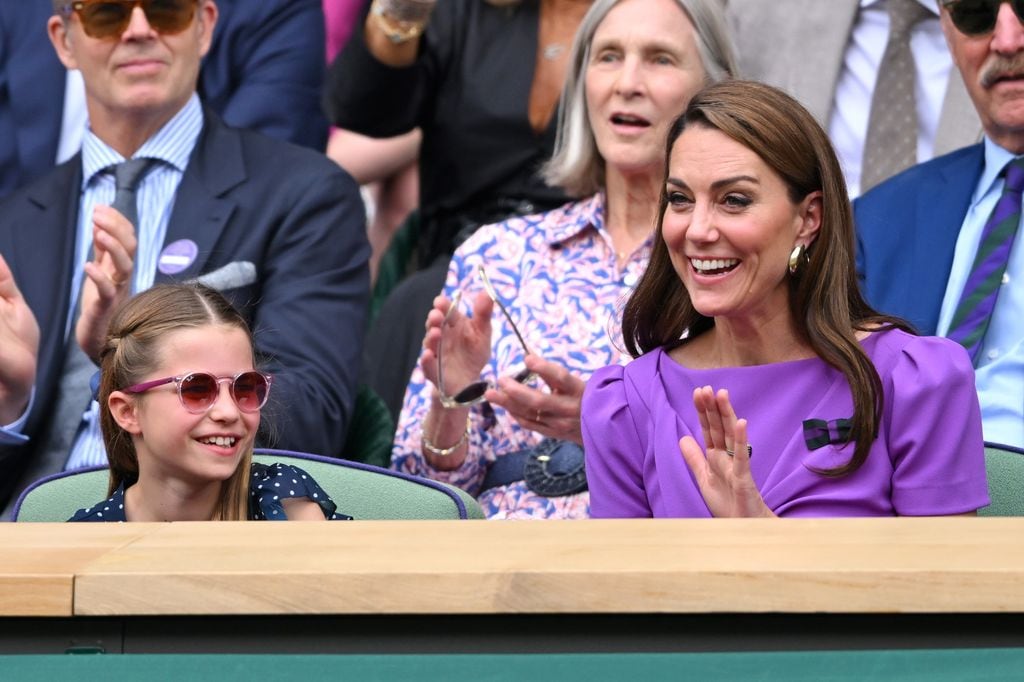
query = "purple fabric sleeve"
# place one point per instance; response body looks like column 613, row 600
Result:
column 614, row 453
column 933, row 424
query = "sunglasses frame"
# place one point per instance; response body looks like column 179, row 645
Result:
column 180, row 379
column 950, row 5
column 477, row 389
column 79, row 6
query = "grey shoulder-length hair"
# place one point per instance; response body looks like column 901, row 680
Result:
column 576, row 164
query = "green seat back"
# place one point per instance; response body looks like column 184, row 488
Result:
column 361, row 491
column 58, row 497
column 368, row 492
column 1004, row 467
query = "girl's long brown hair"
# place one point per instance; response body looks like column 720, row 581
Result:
column 132, row 350
column 824, row 296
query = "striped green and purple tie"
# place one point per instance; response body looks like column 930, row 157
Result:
column 978, row 299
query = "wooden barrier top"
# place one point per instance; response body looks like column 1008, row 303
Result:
column 448, row 567
column 39, row 561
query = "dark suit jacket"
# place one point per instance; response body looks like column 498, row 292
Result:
column 264, row 71
column 297, row 217
column 907, row 229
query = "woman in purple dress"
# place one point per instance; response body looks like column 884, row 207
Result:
column 763, row 384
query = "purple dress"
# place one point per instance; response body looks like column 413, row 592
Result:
column 928, row 458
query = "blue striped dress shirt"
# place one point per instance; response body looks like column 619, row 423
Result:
column 172, row 145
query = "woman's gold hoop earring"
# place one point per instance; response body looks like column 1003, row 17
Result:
column 797, row 257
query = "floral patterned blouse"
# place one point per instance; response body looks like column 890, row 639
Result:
column 558, row 276
column 268, row 485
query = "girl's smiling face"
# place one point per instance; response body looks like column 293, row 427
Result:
column 171, row 442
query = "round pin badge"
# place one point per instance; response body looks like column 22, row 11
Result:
column 177, row 256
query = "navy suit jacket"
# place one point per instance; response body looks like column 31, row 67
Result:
column 907, row 229
column 296, row 216
column 264, row 71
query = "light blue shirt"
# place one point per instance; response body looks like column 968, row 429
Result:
column 1000, row 371
column 172, row 145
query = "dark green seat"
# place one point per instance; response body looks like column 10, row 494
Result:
column 371, row 431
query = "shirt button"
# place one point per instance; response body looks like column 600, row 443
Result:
column 1006, row 278
column 993, row 354
column 630, row 279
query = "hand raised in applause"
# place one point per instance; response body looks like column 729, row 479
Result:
column 555, row 414
column 108, row 277
column 467, row 342
column 19, row 348
column 724, row 480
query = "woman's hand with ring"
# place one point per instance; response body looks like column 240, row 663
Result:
column 555, row 414
column 723, row 470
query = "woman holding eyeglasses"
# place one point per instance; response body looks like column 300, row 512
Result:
column 180, row 405
column 494, row 403
column 763, row 384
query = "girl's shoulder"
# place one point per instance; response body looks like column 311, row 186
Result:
column 269, row 484
column 111, row 509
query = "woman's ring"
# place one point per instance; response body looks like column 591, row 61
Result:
column 750, row 451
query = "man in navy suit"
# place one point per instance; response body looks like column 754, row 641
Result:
column 264, row 71
column 919, row 232
column 277, row 228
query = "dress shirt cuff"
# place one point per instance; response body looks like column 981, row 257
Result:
column 11, row 434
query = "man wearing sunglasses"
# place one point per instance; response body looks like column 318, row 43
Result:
column 264, row 71
column 940, row 244
column 831, row 56
column 278, row 229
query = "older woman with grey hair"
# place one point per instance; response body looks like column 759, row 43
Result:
column 494, row 404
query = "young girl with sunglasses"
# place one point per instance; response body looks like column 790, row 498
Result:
column 180, row 406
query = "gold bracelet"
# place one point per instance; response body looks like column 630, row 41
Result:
column 444, row 452
column 397, row 33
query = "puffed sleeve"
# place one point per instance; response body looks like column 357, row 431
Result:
column 933, row 423
column 614, row 452
column 275, row 482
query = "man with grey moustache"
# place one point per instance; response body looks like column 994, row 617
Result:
column 939, row 244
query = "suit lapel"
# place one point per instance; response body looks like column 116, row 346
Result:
column 46, row 251
column 941, row 209
column 201, row 208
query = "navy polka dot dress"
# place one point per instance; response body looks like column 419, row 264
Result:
column 269, row 484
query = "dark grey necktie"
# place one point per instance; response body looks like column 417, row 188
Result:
column 127, row 176
column 74, row 393
column 891, row 142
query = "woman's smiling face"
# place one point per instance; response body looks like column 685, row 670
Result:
column 730, row 226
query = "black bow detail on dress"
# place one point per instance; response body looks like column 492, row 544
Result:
column 818, row 433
